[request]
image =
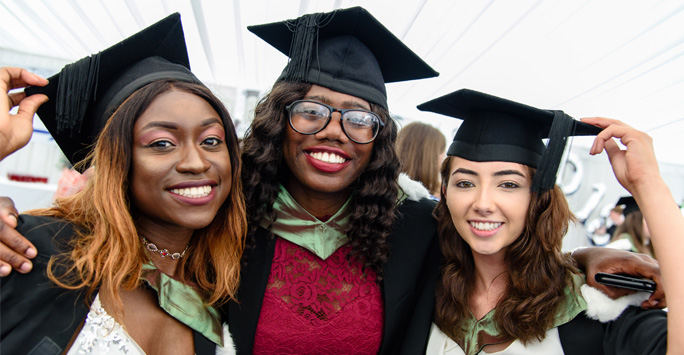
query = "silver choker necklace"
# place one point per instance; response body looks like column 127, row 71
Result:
column 163, row 252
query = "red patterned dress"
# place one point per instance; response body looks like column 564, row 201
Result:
column 316, row 306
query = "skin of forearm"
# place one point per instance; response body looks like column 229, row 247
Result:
column 666, row 226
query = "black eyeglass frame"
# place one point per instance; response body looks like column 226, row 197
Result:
column 332, row 110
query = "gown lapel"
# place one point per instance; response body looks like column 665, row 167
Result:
column 244, row 316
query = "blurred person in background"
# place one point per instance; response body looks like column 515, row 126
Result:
column 421, row 149
column 633, row 234
column 615, row 219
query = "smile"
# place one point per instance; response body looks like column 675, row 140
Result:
column 485, row 226
column 327, row 157
column 193, row 192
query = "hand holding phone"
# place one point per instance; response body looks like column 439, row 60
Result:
column 623, row 281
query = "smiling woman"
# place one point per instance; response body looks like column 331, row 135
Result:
column 179, row 135
column 502, row 220
column 146, row 252
column 488, row 201
column 341, row 260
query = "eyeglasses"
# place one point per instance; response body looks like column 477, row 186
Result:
column 311, row 117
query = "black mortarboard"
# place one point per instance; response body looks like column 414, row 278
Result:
column 346, row 50
column 496, row 129
column 84, row 94
column 630, row 205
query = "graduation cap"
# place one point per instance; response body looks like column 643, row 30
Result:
column 630, row 205
column 84, row 94
column 346, row 50
column 496, row 129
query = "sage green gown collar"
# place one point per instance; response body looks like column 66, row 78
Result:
column 300, row 227
column 574, row 305
column 182, row 302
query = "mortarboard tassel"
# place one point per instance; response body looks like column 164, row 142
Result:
column 562, row 127
column 77, row 86
column 304, row 39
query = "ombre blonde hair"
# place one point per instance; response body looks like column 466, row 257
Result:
column 106, row 254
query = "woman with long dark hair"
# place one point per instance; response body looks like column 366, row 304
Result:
column 336, row 249
column 501, row 223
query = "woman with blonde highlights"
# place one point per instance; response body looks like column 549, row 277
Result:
column 102, row 207
column 141, row 259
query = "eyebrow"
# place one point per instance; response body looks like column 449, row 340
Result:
column 174, row 126
column 464, row 171
column 508, row 172
column 210, row 121
column 348, row 103
column 498, row 173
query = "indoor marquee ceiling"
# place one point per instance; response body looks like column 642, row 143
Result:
column 616, row 58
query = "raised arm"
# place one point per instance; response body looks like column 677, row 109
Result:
column 16, row 129
column 636, row 168
column 15, row 132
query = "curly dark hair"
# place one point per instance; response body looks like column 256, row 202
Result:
column 538, row 271
column 373, row 206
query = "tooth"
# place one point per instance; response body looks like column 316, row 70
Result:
column 327, row 157
column 193, row 192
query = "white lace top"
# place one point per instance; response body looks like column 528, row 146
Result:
column 101, row 334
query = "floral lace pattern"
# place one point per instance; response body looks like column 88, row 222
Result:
column 315, row 306
column 101, row 334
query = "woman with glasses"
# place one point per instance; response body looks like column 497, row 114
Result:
column 333, row 266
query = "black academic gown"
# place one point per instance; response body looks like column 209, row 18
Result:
column 636, row 331
column 37, row 316
column 407, row 288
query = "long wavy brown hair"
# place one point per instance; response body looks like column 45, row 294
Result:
column 634, row 226
column 538, row 272
column 419, row 147
column 107, row 253
column 372, row 208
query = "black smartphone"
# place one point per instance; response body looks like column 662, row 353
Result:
column 630, row 282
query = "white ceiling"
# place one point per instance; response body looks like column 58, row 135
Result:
column 616, row 58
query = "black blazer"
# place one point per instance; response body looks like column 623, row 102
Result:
column 408, row 285
column 37, row 316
